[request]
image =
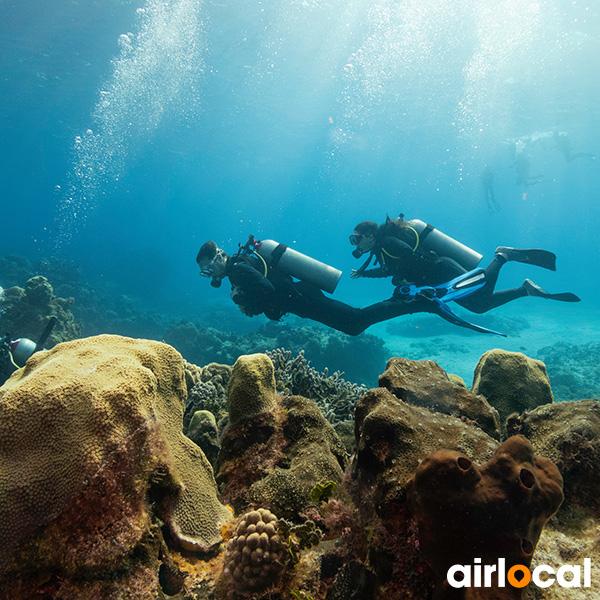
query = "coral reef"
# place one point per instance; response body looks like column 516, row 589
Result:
column 362, row 357
column 494, row 511
column 274, row 459
column 204, row 432
column 96, row 308
column 25, row 312
column 511, row 382
column 568, row 433
column 574, row 370
column 255, row 555
column 88, row 428
column 425, row 383
column 335, row 396
column 207, row 389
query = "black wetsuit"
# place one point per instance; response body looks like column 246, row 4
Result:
column 397, row 260
column 258, row 289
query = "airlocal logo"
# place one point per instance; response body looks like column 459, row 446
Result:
column 518, row 576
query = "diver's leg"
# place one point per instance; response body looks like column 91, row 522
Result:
column 487, row 298
column 351, row 320
column 529, row 256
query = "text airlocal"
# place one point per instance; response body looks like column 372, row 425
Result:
column 518, row 576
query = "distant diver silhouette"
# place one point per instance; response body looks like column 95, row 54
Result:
column 487, row 180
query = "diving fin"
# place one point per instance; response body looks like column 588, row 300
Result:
column 444, row 312
column 531, row 256
column 533, row 289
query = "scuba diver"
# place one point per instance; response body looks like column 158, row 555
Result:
column 417, row 255
column 15, row 353
column 262, row 281
column 563, row 144
column 487, row 181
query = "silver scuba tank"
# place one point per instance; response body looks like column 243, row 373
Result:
column 21, row 350
column 433, row 240
column 299, row 265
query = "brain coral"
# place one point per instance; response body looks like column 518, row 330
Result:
column 68, row 413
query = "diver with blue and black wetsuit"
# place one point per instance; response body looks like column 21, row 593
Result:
column 262, row 286
column 414, row 253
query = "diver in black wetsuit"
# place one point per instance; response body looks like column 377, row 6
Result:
column 260, row 289
column 412, row 252
column 487, row 181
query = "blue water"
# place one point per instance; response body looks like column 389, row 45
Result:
column 132, row 132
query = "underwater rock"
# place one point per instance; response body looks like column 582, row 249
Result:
column 497, row 510
column 511, row 382
column 25, row 312
column 89, row 432
column 313, row 454
column 568, row 433
column 425, row 383
column 251, row 389
column 393, row 437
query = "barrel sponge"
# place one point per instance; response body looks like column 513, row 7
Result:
column 70, row 409
column 494, row 510
column 251, row 389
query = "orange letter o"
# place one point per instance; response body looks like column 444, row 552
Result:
column 514, row 581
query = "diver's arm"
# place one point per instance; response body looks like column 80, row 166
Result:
column 378, row 272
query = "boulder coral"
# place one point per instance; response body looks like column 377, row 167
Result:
column 251, row 389
column 498, row 510
column 425, row 383
column 512, row 382
column 91, row 451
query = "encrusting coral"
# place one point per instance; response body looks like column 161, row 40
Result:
column 70, row 421
column 425, row 383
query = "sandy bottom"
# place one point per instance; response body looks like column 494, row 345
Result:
column 458, row 350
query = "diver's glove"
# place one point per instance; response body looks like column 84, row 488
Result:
column 248, row 305
column 356, row 274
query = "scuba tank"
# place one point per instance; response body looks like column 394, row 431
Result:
column 21, row 349
column 430, row 239
column 298, row 265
